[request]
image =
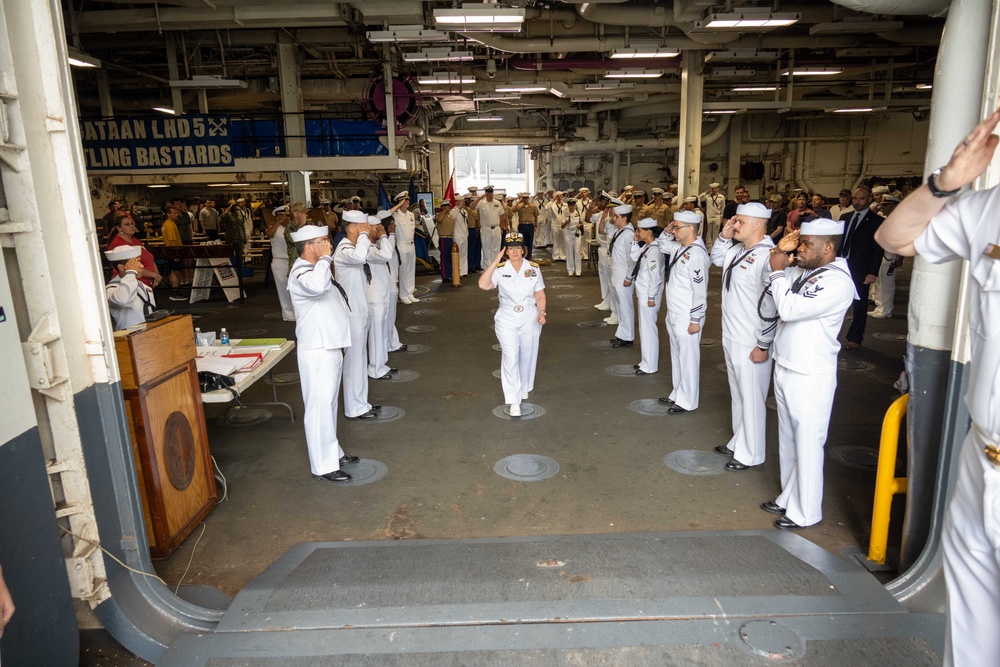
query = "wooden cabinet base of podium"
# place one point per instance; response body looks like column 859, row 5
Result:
column 167, row 423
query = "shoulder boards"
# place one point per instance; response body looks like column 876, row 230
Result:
column 501, row 264
column 535, row 264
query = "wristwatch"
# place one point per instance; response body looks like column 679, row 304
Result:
column 935, row 190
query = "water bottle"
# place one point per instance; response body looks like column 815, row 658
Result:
column 197, row 336
column 224, row 337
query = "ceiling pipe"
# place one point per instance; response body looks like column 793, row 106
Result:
column 646, row 143
column 900, row 7
column 547, row 45
column 527, row 65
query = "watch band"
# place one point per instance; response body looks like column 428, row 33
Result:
column 935, row 190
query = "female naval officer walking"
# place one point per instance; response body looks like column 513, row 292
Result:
column 519, row 318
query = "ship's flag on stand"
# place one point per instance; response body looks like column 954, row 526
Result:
column 449, row 192
column 383, row 198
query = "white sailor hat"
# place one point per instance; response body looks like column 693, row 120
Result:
column 324, row 202
column 558, row 193
column 880, row 190
column 628, row 188
column 687, row 217
column 310, row 232
column 754, row 210
column 355, row 216
column 713, row 185
column 646, row 223
column 523, row 194
column 383, row 215
column 584, row 189
column 372, row 220
column 280, row 210
column 123, row 253
column 690, row 200
column 821, row 227
column 657, row 191
column 890, row 199
column 401, row 196
column 623, row 209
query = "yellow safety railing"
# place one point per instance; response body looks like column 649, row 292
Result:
column 886, row 484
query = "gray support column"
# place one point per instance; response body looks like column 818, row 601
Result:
column 294, row 120
column 176, row 100
column 938, row 420
column 390, row 102
column 689, row 155
column 104, row 93
column 735, row 151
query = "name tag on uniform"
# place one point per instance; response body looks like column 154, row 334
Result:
column 992, row 251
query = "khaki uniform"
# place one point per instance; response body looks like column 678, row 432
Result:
column 660, row 212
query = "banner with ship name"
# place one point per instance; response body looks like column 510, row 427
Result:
column 157, row 143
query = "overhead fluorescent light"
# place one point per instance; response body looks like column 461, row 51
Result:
column 219, row 185
column 873, row 51
column 741, row 55
column 747, row 19
column 202, row 81
column 480, row 17
column 166, row 110
column 522, row 88
column 489, row 97
column 732, row 72
column 812, row 71
column 81, row 59
column 158, row 185
column 444, row 79
column 925, row 86
column 609, row 85
column 645, row 51
column 407, row 33
column 437, row 54
column 278, row 183
column 484, row 119
column 723, row 112
column 849, row 27
column 754, row 89
column 634, row 74
column 856, row 110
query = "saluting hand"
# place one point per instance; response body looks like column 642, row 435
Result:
column 728, row 228
column 789, row 242
column 972, row 156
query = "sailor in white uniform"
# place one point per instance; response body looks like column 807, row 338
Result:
column 350, row 257
column 686, row 260
column 556, row 212
column 748, row 326
column 933, row 223
column 492, row 222
column 461, row 234
column 378, row 292
column 602, row 225
column 572, row 233
column 620, row 250
column 647, row 275
column 519, row 318
column 406, row 225
column 279, row 259
column 129, row 299
column 714, row 203
column 321, row 334
column 811, row 297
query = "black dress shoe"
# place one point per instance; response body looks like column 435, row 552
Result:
column 371, row 414
column 735, row 466
column 772, row 507
column 724, row 450
column 618, row 342
column 376, row 408
column 784, row 523
column 665, row 400
column 401, row 348
column 347, row 460
column 676, row 409
column 387, row 376
column 335, row 476
column 639, row 371
column 636, row 366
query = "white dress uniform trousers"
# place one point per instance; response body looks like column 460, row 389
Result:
column 714, row 206
column 573, row 242
column 620, row 249
column 884, row 287
column 127, row 297
column 279, row 269
column 556, row 213
column 811, row 305
column 971, row 538
column 349, row 261
column 604, row 263
column 378, row 293
column 405, row 226
column 489, row 229
column 394, row 297
column 648, row 287
column 461, row 238
column 517, row 327
column 744, row 277
column 321, row 333
column 686, row 296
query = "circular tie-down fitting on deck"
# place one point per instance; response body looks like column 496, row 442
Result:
column 239, row 415
column 772, row 640
column 274, row 316
column 563, row 286
column 420, row 328
column 526, row 467
column 603, row 345
column 890, row 336
column 650, row 407
column 430, row 299
column 427, row 311
column 388, row 413
column 854, row 365
column 249, row 333
column 694, row 462
column 621, row 371
column 413, row 348
column 436, row 281
column 498, row 374
column 591, row 325
column 365, row 471
column 398, row 376
column 855, row 456
column 282, row 378
column 568, row 296
column 576, row 309
column 496, row 346
column 707, row 342
column 528, row 411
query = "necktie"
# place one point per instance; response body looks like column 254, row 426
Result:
column 368, row 273
column 845, row 249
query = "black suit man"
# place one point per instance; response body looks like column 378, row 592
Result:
column 863, row 256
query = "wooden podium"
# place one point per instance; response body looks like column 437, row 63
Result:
column 167, row 424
